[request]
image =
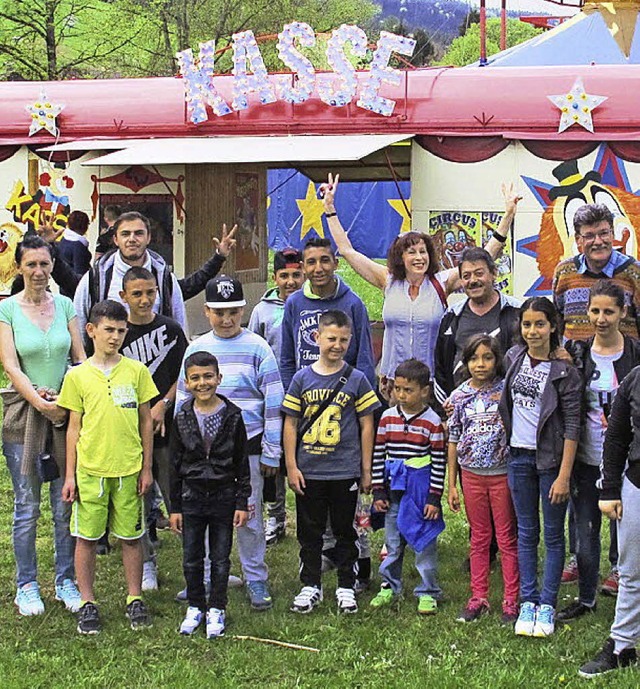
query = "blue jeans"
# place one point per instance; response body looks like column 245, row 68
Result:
column 588, row 518
column 391, row 567
column 529, row 486
column 26, row 511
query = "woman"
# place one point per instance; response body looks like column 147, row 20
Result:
column 38, row 336
column 415, row 289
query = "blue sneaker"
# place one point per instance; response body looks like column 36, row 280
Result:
column 68, row 593
column 545, row 621
column 259, row 595
column 526, row 619
column 215, row 623
column 28, row 600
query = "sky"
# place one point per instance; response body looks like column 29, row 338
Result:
column 533, row 6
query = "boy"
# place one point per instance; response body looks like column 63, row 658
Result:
column 326, row 459
column 408, row 481
column 210, row 485
column 159, row 343
column 252, row 381
column 266, row 321
column 109, row 456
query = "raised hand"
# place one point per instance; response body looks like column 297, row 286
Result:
column 328, row 192
column 48, row 233
column 223, row 246
column 511, row 198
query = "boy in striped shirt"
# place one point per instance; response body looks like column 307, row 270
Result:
column 328, row 458
column 408, row 481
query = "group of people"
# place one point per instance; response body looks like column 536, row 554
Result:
column 523, row 397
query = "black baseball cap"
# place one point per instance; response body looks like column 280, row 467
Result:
column 287, row 258
column 224, row 292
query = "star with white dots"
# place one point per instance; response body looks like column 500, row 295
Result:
column 576, row 106
column 43, row 115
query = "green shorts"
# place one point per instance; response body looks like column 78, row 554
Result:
column 102, row 501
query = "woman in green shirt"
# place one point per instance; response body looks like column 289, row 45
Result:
column 38, row 337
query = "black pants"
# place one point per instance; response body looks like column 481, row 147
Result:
column 337, row 500
column 214, row 510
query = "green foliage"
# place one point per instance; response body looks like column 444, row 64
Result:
column 465, row 49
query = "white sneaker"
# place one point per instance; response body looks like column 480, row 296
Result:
column 215, row 623
column 235, row 582
column 149, row 576
column 526, row 620
column 28, row 600
column 307, row 599
column 346, row 600
column 274, row 530
column 545, row 621
column 192, row 620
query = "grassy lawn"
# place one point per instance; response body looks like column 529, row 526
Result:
column 388, row 648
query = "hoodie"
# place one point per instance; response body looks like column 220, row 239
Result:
column 266, row 320
column 300, row 323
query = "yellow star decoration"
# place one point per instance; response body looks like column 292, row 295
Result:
column 399, row 208
column 312, row 211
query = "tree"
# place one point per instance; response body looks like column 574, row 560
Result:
column 472, row 17
column 52, row 39
column 465, row 50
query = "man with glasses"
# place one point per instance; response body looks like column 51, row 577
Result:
column 574, row 277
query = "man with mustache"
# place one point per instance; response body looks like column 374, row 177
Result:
column 485, row 311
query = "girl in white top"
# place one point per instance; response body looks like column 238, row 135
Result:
column 415, row 288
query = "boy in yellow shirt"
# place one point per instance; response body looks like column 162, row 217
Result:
column 109, row 455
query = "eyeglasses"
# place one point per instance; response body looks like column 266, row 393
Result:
column 590, row 237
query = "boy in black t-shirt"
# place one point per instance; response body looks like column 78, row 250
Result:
column 159, row 343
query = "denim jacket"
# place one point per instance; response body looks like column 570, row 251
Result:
column 560, row 414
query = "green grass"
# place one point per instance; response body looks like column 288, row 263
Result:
column 384, row 648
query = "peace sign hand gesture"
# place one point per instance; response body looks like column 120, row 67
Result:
column 328, row 192
column 223, row 246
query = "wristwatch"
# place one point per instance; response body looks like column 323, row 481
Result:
column 167, row 402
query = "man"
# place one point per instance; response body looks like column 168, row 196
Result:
column 574, row 277
column 131, row 236
column 105, row 239
column 485, row 310
column 322, row 291
column 266, row 321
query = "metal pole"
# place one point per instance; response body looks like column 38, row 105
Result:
column 503, row 26
column 483, row 33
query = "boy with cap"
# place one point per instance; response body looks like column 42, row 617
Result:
column 251, row 380
column 266, row 321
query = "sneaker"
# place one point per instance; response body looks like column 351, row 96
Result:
column 346, row 600
column 215, row 623
column 476, row 607
column 138, row 615
column 427, row 605
column 573, row 611
column 526, row 620
column 28, row 600
column 545, row 621
column 609, row 586
column 384, row 597
column 149, row 576
column 509, row 613
column 570, row 571
column 361, row 586
column 68, row 593
column 89, row 619
column 233, row 582
column 274, row 530
column 608, row 660
column 192, row 620
column 181, row 596
column 259, row 595
column 306, row 600
column 383, row 553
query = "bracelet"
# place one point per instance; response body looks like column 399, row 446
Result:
column 499, row 238
column 330, row 215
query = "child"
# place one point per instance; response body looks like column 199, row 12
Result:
column 266, row 321
column 604, row 360
column 327, row 457
column 109, row 456
column 408, row 481
column 540, row 408
column 210, row 484
column 252, row 381
column 159, row 343
column 478, row 444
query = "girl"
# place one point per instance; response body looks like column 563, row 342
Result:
column 540, row 408
column 477, row 442
column 604, row 361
